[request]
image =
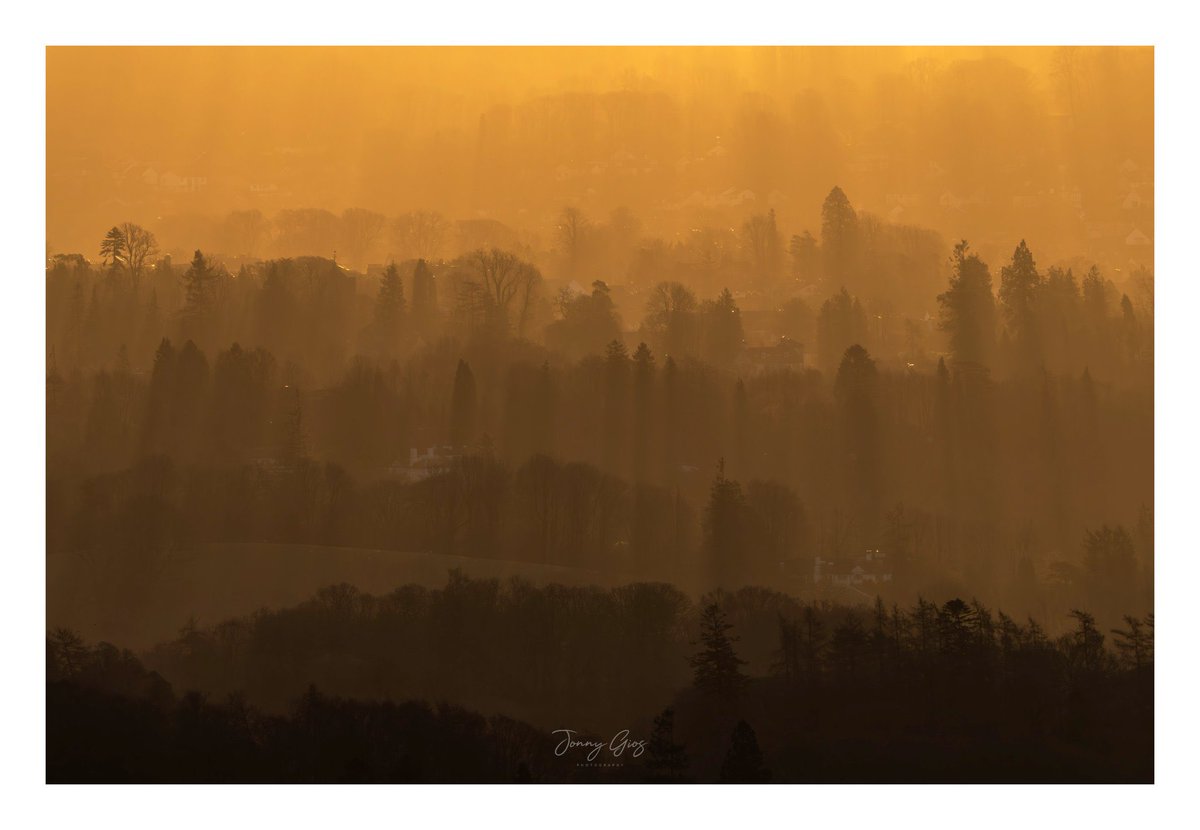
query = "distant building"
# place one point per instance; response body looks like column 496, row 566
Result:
column 786, row 354
column 423, row 464
column 179, row 184
column 1133, row 200
column 872, row 568
column 1137, row 239
column 760, row 325
column 797, row 570
column 266, row 461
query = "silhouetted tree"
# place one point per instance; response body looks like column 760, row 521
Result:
column 157, row 427
column 587, row 322
column 128, row 246
column 806, row 257
column 968, row 309
column 293, row 440
column 420, row 234
column 726, row 529
column 839, row 238
column 389, row 309
column 1110, row 560
column 1135, row 643
column 462, row 406
column 573, row 231
column 643, row 409
column 200, row 298
column 360, row 230
column 1085, row 645
column 1020, row 285
column 666, row 760
column 112, row 248
column 424, row 298
column 616, row 407
column 841, row 324
column 509, row 283
column 242, row 384
column 743, row 763
column 717, row 668
column 856, row 390
column 671, row 317
column 723, row 334
column 764, row 245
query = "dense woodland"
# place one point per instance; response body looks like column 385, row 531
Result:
column 987, row 428
column 927, row 693
column 1002, row 447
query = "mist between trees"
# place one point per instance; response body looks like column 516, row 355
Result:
column 777, row 480
column 382, row 444
column 999, row 445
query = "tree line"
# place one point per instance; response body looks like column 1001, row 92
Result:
column 743, row 686
column 273, row 404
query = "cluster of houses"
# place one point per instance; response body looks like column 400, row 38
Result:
column 871, row 567
column 420, row 464
column 784, row 354
column 423, row 463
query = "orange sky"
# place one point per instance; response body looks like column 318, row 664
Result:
column 993, row 144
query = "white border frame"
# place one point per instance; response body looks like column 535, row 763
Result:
column 872, row 22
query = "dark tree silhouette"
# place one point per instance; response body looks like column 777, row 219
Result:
column 726, row 529
column 839, row 238
column 968, row 309
column 424, row 298
column 840, row 324
column 743, row 762
column 1135, row 643
column 462, row 406
column 856, row 390
column 717, row 668
column 665, row 759
column 200, row 298
column 1020, row 284
column 389, row 309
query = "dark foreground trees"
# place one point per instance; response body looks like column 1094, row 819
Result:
column 949, row 692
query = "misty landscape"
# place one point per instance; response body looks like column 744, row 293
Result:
column 545, row 415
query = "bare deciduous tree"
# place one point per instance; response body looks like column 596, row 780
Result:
column 421, row 235
column 128, row 246
column 360, row 230
column 506, row 278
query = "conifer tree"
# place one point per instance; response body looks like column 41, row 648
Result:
column 293, row 443
column 1019, row 286
column 462, row 406
column 666, row 760
column 643, row 408
column 389, row 309
column 725, row 528
column 424, row 298
column 743, row 762
column 199, row 301
column 968, row 309
column 717, row 668
column 839, row 237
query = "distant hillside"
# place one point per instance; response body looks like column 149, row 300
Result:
column 219, row 581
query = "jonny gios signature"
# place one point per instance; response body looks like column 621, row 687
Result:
column 618, row 746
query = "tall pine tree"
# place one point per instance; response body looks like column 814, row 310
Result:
column 717, row 668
